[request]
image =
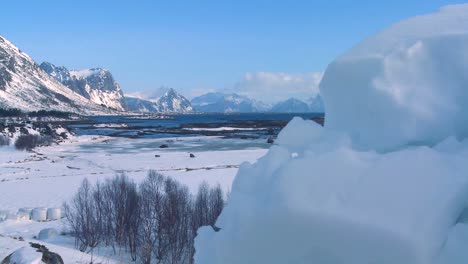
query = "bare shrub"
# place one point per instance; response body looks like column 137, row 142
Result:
column 29, row 141
column 4, row 140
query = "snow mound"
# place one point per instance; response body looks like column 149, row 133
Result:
column 385, row 181
column 315, row 199
column 405, row 86
column 26, row 255
column 47, row 233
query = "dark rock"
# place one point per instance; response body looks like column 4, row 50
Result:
column 270, row 141
column 157, row 156
column 215, row 228
column 164, row 146
column 192, row 155
column 48, row 257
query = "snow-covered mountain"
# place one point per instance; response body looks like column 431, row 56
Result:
column 97, row 85
column 291, row 105
column 139, row 105
column 227, row 103
column 169, row 102
column 24, row 85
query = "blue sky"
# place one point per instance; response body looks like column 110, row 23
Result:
column 196, row 46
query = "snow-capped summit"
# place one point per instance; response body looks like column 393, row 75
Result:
column 25, row 86
column 169, row 101
column 172, row 101
column 292, row 105
column 96, row 84
column 226, row 103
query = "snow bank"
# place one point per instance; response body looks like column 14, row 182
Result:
column 324, row 202
column 406, row 85
column 26, row 255
column 315, row 199
column 385, row 181
column 47, row 233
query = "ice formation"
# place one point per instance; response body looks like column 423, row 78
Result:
column 385, row 181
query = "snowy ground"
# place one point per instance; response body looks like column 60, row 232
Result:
column 49, row 176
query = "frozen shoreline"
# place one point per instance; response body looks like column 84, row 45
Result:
column 48, row 176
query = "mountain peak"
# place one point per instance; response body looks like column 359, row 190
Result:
column 291, row 105
column 24, row 85
column 96, row 84
column 172, row 101
column 169, row 101
column 224, row 103
column 171, row 92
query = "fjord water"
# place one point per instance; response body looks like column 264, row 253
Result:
column 208, row 120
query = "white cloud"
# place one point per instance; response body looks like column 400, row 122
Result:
column 149, row 93
column 273, row 87
column 197, row 92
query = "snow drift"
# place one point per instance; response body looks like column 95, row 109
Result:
column 385, row 181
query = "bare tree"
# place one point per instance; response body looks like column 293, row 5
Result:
column 156, row 222
column 151, row 214
column 120, row 207
column 84, row 219
column 215, row 204
column 201, row 207
column 177, row 216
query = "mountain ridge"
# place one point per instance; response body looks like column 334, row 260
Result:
column 95, row 84
column 24, row 85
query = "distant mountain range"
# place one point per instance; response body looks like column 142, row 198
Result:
column 228, row 103
column 27, row 86
column 170, row 101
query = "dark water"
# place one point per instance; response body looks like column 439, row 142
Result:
column 247, row 124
